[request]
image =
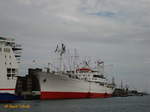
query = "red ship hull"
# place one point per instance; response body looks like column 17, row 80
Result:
column 72, row 95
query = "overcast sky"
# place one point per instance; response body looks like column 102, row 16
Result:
column 116, row 31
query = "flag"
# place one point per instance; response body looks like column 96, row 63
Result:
column 100, row 62
column 63, row 49
column 56, row 50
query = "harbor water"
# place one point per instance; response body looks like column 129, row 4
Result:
column 114, row 104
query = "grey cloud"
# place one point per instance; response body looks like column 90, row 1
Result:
column 122, row 39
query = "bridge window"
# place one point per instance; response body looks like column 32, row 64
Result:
column 8, row 75
column 8, row 70
column 11, row 72
column 7, row 50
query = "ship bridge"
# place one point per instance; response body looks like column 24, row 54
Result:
column 16, row 48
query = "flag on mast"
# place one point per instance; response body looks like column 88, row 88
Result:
column 100, row 62
column 63, row 49
column 56, row 50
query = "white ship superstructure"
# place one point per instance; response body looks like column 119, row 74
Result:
column 9, row 59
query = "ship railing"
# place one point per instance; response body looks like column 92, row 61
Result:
column 6, row 39
column 17, row 55
column 16, row 47
column 110, row 86
column 17, row 52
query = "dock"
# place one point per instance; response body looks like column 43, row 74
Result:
column 28, row 86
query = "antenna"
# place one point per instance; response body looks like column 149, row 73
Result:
column 48, row 68
column 121, row 85
column 113, row 81
column 69, row 60
column 76, row 57
column 100, row 67
column 34, row 63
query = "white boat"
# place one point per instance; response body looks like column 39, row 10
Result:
column 81, row 82
column 9, row 59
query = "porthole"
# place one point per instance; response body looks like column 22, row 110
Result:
column 44, row 80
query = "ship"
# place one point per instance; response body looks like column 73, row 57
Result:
column 9, row 68
column 80, row 81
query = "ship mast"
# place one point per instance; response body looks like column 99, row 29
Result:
column 60, row 50
column 100, row 67
column 75, row 62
